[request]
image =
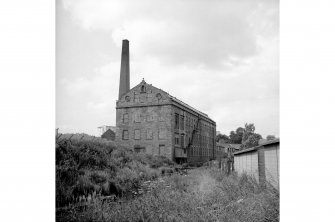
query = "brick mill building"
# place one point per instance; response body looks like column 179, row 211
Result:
column 150, row 120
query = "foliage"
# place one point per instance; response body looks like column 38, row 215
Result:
column 85, row 167
column 204, row 195
column 248, row 131
column 236, row 136
column 245, row 136
column 223, row 137
column 270, row 137
column 252, row 140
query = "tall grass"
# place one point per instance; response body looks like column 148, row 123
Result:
column 207, row 194
column 204, row 195
column 86, row 167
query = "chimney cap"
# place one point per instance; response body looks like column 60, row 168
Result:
column 125, row 40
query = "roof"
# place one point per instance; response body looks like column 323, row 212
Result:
column 229, row 145
column 270, row 142
column 188, row 106
column 236, row 146
column 247, row 150
column 255, row 148
column 177, row 101
column 171, row 98
column 109, row 130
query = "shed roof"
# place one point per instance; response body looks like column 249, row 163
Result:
column 257, row 147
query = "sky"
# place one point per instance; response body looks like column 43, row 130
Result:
column 219, row 56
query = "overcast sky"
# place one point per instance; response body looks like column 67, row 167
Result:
column 219, row 56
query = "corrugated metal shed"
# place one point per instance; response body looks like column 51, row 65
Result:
column 261, row 161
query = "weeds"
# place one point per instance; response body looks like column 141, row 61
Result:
column 197, row 197
column 205, row 194
column 85, row 167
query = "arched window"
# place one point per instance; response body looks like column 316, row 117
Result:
column 142, row 89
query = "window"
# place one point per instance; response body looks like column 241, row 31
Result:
column 125, row 135
column 182, row 122
column 150, row 118
column 143, row 90
column 161, row 133
column 161, row 149
column 149, row 134
column 182, row 141
column 139, row 149
column 137, row 134
column 137, row 118
column 143, row 98
column 176, row 121
column 176, row 139
column 136, row 98
column 125, row 118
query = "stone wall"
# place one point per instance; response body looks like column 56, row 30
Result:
column 148, row 127
column 146, row 122
column 201, row 147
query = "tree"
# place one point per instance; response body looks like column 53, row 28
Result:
column 248, row 131
column 223, row 137
column 252, row 141
column 270, row 137
column 236, row 136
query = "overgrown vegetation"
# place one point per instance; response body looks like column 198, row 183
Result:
column 86, row 168
column 204, row 195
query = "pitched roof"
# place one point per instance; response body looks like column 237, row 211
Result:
column 175, row 100
column 257, row 147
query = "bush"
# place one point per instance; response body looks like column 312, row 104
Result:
column 84, row 167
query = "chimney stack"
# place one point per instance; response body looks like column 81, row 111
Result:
column 125, row 70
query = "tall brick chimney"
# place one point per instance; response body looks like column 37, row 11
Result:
column 125, row 70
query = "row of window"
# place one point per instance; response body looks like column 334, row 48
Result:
column 148, row 134
column 142, row 149
column 142, row 97
column 197, row 151
column 137, row 118
column 190, row 122
column 202, row 139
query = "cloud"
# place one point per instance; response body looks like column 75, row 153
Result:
column 181, row 31
column 219, row 56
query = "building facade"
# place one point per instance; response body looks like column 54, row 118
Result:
column 150, row 120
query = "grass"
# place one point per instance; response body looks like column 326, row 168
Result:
column 89, row 168
column 204, row 195
column 93, row 168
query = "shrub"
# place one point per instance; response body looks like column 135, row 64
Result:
column 84, row 166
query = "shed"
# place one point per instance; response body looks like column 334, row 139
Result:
column 109, row 135
column 261, row 161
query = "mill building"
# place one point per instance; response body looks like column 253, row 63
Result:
column 150, row 120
